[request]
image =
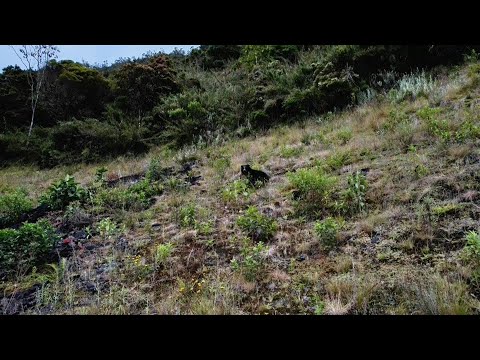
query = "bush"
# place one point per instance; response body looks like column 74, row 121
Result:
column 187, row 215
column 472, row 247
column 154, row 172
column 412, row 86
column 259, row 227
column 471, row 254
column 326, row 231
column 139, row 86
column 28, row 246
column 163, row 253
column 12, row 206
column 237, row 190
column 61, row 193
column 313, row 188
column 134, row 198
column 259, row 54
column 108, row 229
column 251, row 260
column 355, row 194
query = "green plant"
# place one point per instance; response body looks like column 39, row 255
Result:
column 435, row 126
column 251, row 260
column 108, row 229
column 163, row 253
column 313, row 188
column 61, row 193
column 154, row 171
column 100, row 175
column 146, row 189
column 29, row 245
column 468, row 130
column 344, row 135
column 472, row 247
column 187, row 215
column 221, row 165
column 396, row 116
column 13, row 205
column 326, row 231
column 412, row 85
column 236, row 190
column 319, row 306
column 289, row 151
column 445, row 209
column 338, row 159
column 355, row 194
column 172, row 183
column 204, row 227
column 258, row 226
column 136, row 197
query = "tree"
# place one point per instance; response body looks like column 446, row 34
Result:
column 35, row 58
column 138, row 86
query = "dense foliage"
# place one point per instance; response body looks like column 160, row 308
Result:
column 217, row 91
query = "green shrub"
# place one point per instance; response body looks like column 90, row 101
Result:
column 108, row 229
column 138, row 196
column 313, row 188
column 61, row 193
column 146, row 189
column 237, row 190
column 471, row 254
column 261, row 54
column 28, row 246
column 338, row 159
column 13, row 205
column 412, row 86
column 435, row 126
column 163, row 253
column 344, row 135
column 326, row 231
column 258, row 226
column 100, row 176
column 355, row 194
column 154, row 172
column 251, row 260
column 120, row 198
column 187, row 215
column 289, row 151
column 221, row 165
column 472, row 247
column 204, row 227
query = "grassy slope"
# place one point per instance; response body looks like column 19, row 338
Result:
column 401, row 257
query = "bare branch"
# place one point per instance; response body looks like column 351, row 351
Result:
column 35, row 59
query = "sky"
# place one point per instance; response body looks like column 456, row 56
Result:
column 92, row 53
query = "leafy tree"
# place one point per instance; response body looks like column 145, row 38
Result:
column 139, row 86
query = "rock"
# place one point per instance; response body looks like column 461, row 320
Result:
column 365, row 171
column 90, row 287
column 89, row 247
column 193, row 180
column 279, row 304
column 121, row 244
column 20, row 301
column 80, row 235
column 65, row 247
column 375, row 238
column 301, row 258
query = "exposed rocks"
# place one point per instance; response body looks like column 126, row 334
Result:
column 19, row 302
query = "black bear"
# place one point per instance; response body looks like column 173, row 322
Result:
column 255, row 177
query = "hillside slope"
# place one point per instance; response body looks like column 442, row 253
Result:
column 373, row 210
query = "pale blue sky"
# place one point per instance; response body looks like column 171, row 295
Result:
column 92, row 53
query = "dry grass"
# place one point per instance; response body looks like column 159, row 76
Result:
column 405, row 166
